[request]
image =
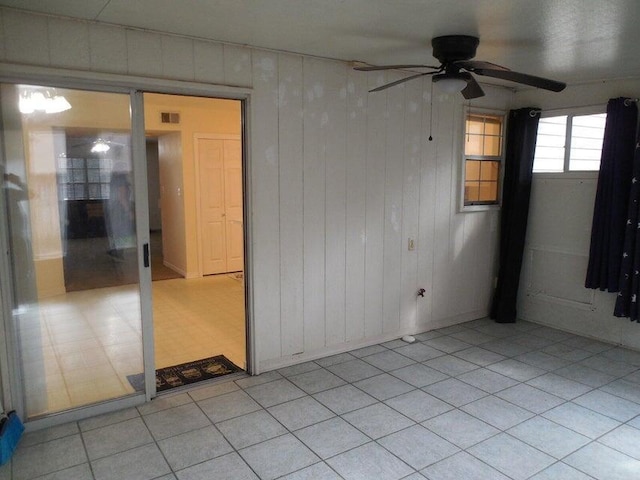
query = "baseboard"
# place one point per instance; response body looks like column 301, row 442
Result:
column 453, row 320
column 288, row 360
column 579, row 333
column 174, row 268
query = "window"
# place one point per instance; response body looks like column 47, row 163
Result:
column 571, row 142
column 483, row 141
column 84, row 178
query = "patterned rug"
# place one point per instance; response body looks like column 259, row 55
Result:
column 187, row 373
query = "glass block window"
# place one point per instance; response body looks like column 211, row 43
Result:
column 84, row 178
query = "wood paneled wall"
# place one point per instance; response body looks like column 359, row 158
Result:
column 340, row 180
column 556, row 256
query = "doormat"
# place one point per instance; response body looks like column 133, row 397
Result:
column 187, row 373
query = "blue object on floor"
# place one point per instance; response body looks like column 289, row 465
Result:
column 11, row 429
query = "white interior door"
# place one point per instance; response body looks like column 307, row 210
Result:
column 233, row 205
column 212, row 206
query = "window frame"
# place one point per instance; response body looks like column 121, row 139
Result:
column 481, row 207
column 571, row 112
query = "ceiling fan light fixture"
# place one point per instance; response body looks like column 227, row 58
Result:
column 450, row 82
column 100, row 146
column 57, row 104
column 33, row 99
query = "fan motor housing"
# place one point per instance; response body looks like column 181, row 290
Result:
column 452, row 48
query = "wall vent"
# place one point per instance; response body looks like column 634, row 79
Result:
column 169, row 117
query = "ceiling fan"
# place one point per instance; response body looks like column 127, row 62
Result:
column 455, row 53
column 88, row 145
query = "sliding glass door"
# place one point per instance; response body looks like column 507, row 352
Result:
column 69, row 215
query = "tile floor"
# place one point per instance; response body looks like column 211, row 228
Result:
column 198, row 318
column 469, row 402
column 81, row 346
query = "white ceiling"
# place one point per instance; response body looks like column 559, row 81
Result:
column 568, row 40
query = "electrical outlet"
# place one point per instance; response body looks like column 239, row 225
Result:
column 412, row 245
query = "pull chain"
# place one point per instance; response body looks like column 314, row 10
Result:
column 431, row 114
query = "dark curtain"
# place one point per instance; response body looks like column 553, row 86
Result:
column 612, row 196
column 522, row 129
column 626, row 303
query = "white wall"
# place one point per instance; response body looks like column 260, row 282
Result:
column 552, row 288
column 340, row 179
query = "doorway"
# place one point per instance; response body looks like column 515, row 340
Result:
column 201, row 314
column 219, row 169
column 68, row 219
column 78, row 300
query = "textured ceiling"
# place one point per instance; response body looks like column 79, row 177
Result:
column 569, row 40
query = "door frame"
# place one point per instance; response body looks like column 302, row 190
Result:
column 135, row 87
column 196, row 165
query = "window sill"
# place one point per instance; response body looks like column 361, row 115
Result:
column 479, row 208
column 575, row 174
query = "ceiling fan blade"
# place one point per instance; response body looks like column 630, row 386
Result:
column 472, row 90
column 523, row 78
column 397, row 82
column 473, row 65
column 372, row 68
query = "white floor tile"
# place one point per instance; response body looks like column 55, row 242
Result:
column 279, row 456
column 344, row 399
column 497, row 412
column 418, row 447
column 142, row 463
column 549, row 437
column 368, row 462
column 511, row 456
column 604, row 463
column 250, row 429
column 193, row 447
column 230, row 466
column 418, row 405
column 530, row 398
column 625, row 439
column 318, row 471
column 462, row 465
column 43, row 458
column 105, row 441
column 175, row 421
column 581, row 420
column 331, row 437
column 377, row 420
column 300, row 413
column 460, row 428
column 609, row 405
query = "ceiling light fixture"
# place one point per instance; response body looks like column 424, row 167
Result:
column 100, row 146
column 41, row 100
column 451, row 82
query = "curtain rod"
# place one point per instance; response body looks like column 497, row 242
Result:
column 627, row 102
